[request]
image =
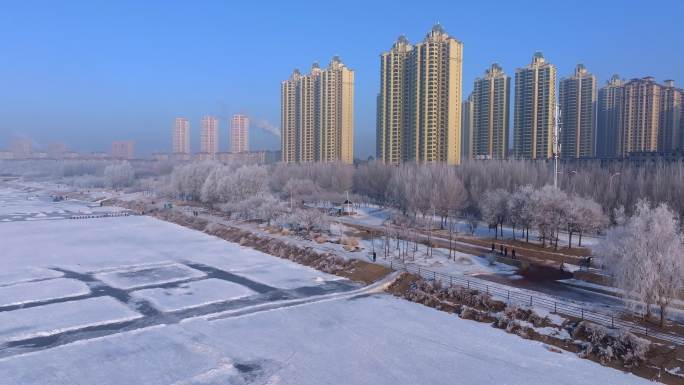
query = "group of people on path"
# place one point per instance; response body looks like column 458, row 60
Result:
column 503, row 250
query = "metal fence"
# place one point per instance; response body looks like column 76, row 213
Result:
column 551, row 304
column 105, row 215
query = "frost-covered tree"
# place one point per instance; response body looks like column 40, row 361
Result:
column 119, row 174
column 644, row 255
column 400, row 190
column 187, row 180
column 298, row 190
column 450, row 195
column 248, row 181
column 304, row 219
column 371, row 180
column 588, row 217
column 521, row 210
column 217, row 184
column 494, row 207
column 583, row 216
column 260, row 207
column 550, row 213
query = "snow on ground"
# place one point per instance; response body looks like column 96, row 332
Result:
column 193, row 294
column 674, row 311
column 140, row 276
column 30, row 204
column 368, row 340
column 23, row 293
column 372, row 215
column 62, row 316
column 341, row 339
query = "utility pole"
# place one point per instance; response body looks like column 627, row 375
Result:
column 556, row 144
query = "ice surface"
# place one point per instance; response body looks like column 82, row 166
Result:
column 148, row 275
column 268, row 270
column 60, row 317
column 23, row 274
column 28, row 292
column 371, row 340
column 193, row 294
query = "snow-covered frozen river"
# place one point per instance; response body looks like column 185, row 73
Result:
column 134, row 300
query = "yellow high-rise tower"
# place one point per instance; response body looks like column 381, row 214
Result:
column 577, row 102
column 419, row 104
column 317, row 115
column 535, row 104
column 491, row 114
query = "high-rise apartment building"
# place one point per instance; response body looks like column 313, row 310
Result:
column 491, row 114
column 393, row 102
column 467, row 124
column 670, row 133
column 419, row 104
column 640, row 116
column 535, row 103
column 609, row 119
column 317, row 115
column 335, row 141
column 209, row 138
column 308, row 114
column 577, row 103
column 288, row 117
column 239, row 133
column 181, row 136
column 123, row 149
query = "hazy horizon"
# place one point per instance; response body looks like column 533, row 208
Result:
column 86, row 74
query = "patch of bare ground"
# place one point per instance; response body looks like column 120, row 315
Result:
column 617, row 349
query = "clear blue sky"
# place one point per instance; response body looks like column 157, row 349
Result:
column 89, row 72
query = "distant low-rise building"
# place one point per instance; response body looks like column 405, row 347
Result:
column 123, row 149
column 71, row 155
column 6, row 155
column 22, row 148
column 273, row 156
column 205, row 156
column 181, row 156
column 251, row 157
column 56, row 150
column 161, row 156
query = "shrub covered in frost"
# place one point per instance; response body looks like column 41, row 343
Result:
column 609, row 345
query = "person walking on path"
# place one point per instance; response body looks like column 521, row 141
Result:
column 513, row 253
